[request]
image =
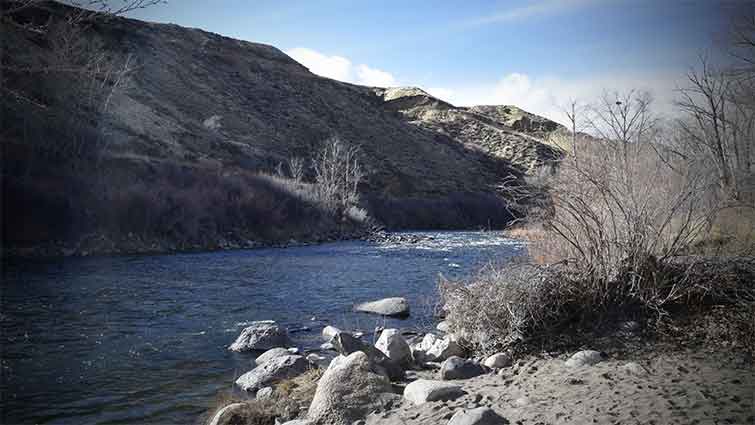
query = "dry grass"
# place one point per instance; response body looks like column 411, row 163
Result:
column 290, row 399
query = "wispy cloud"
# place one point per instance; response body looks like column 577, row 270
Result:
column 531, row 10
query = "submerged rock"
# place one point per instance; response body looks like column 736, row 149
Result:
column 397, row 307
column 261, row 335
column 272, row 371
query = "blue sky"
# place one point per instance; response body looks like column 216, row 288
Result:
column 536, row 54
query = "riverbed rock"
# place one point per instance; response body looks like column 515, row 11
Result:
column 395, row 307
column 498, row 360
column 272, row 371
column 424, row 390
column 348, row 390
column 228, row 415
column 585, row 358
column 271, row 354
column 443, row 327
column 261, row 335
column 264, row 393
column 478, row 416
column 634, row 369
column 444, row 348
column 457, row 368
column 329, row 332
column 345, row 344
column 393, row 345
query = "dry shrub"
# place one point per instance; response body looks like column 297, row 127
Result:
column 504, row 305
column 290, row 399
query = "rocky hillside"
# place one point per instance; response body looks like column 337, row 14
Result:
column 504, row 132
column 200, row 102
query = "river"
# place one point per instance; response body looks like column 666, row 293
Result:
column 142, row 339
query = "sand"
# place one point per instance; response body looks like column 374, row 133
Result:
column 686, row 387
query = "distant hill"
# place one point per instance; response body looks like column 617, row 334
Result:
column 201, row 101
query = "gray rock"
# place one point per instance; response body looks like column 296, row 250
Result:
column 443, row 327
column 585, row 358
column 478, row 416
column 228, row 415
column 329, row 332
column 393, row 345
column 634, row 369
column 498, row 361
column 443, row 349
column 261, row 335
column 348, row 390
column 457, row 368
column 346, row 344
column 271, row 354
column 424, row 390
column 264, row 393
column 272, row 371
column 299, row 422
column 327, row 347
column 386, row 307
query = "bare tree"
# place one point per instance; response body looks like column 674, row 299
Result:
column 718, row 126
column 338, row 174
column 296, row 168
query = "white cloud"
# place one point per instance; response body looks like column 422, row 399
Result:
column 341, row 68
column 335, row 67
column 547, row 96
column 441, row 93
column 374, row 77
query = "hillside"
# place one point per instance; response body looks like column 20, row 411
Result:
column 200, row 103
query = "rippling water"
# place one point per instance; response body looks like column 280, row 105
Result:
column 142, row 339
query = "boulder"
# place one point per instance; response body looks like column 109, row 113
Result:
column 443, row 349
column 478, row 416
column 457, row 368
column 272, row 371
column 498, row 361
column 397, row 307
column 329, row 332
column 443, row 327
column 264, row 393
column 228, row 415
column 393, row 345
column 346, row 344
column 634, row 369
column 424, row 390
column 585, row 358
column 271, row 354
column 261, row 335
column 348, row 391
column 327, row 347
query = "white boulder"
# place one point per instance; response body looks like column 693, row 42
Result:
column 393, row 345
column 585, row 358
column 424, row 390
column 396, row 306
column 261, row 335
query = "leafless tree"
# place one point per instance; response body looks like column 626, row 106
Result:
column 338, row 174
column 296, row 168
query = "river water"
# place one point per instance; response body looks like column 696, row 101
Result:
column 142, row 339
